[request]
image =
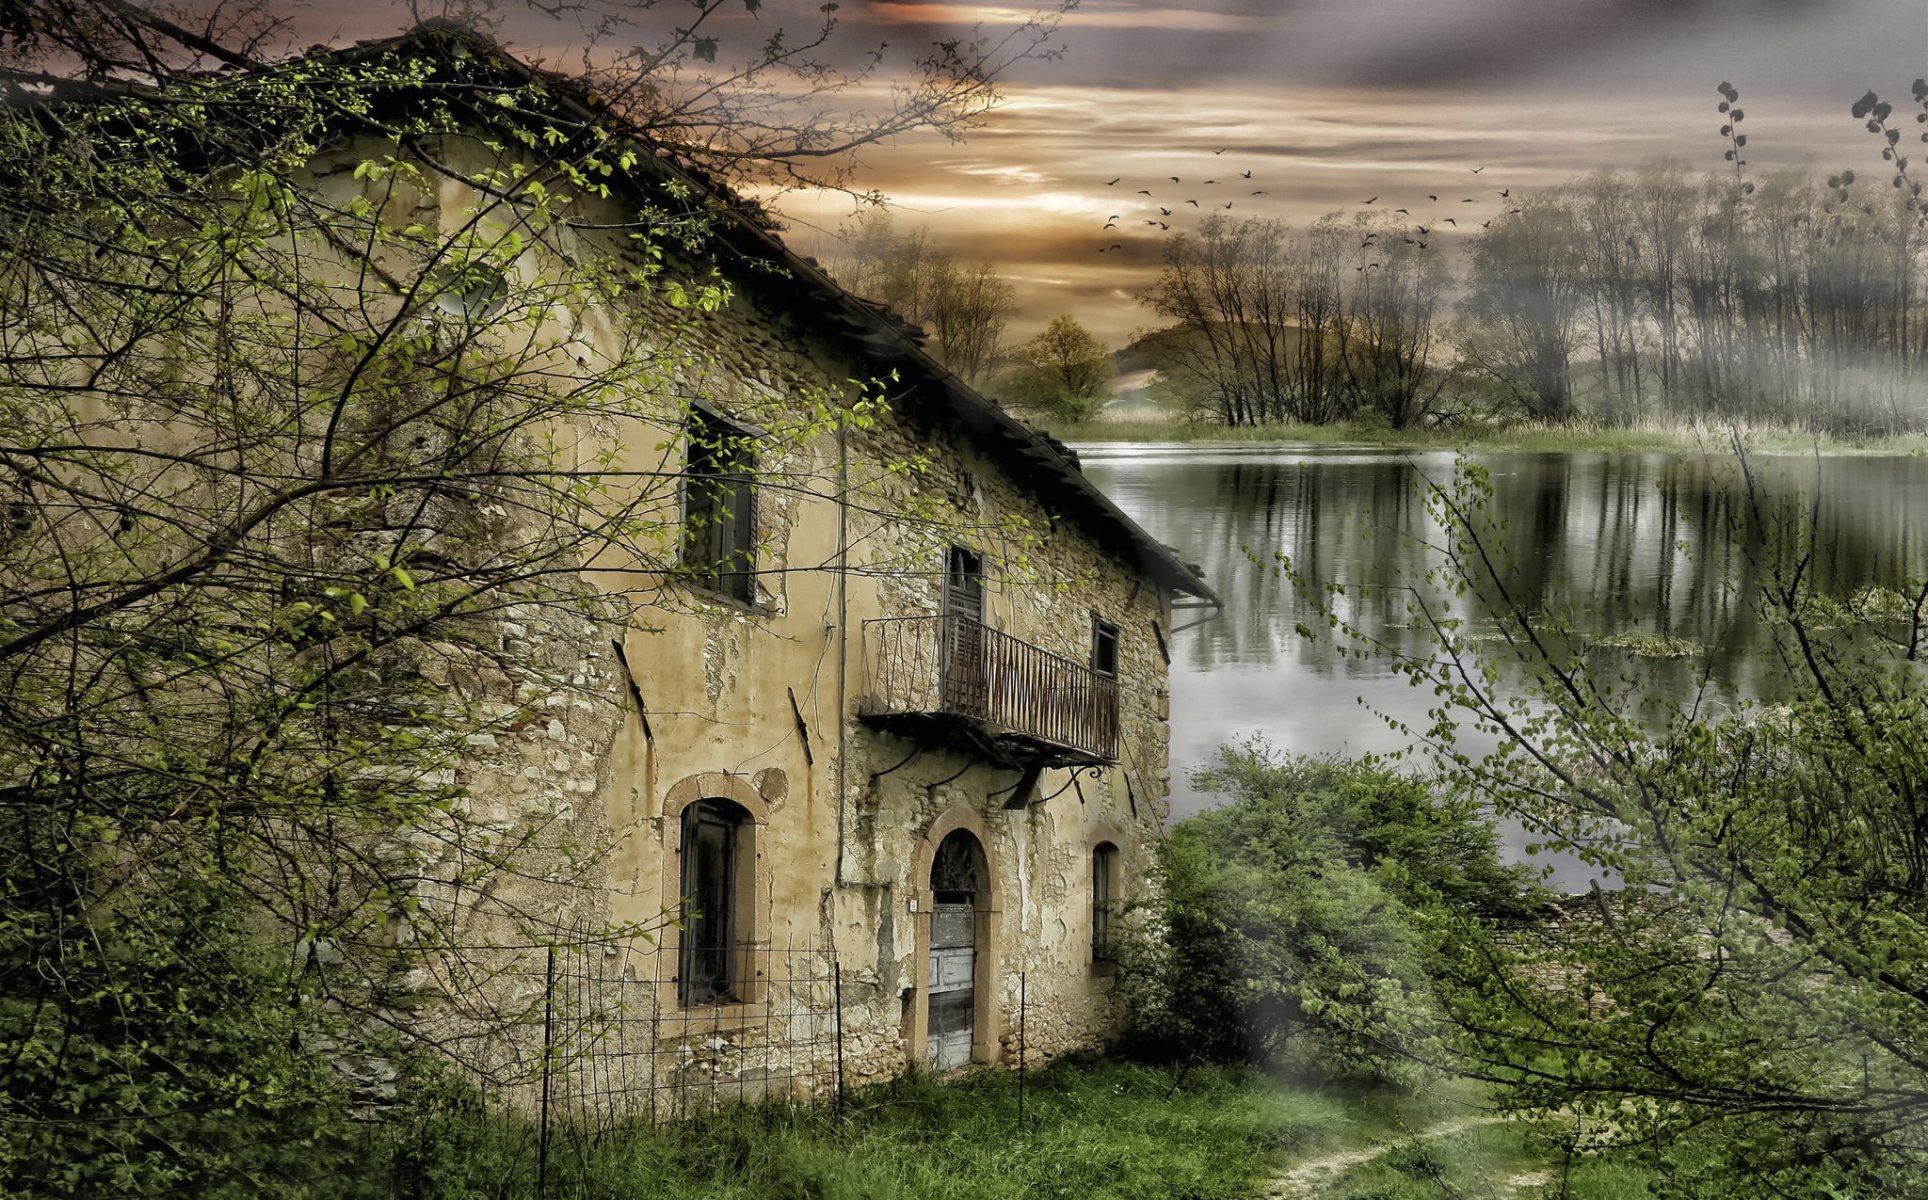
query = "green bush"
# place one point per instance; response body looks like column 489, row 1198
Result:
column 1301, row 915
column 156, row 1056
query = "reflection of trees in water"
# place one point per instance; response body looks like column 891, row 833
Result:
column 1652, row 544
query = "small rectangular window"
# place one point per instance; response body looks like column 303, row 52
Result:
column 719, row 508
column 1104, row 647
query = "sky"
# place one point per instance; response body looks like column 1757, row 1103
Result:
column 1327, row 103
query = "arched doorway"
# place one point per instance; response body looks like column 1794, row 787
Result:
column 958, row 883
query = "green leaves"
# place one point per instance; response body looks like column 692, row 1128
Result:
column 1303, row 911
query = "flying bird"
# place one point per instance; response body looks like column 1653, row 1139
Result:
column 1369, row 201
column 1245, row 175
column 1163, row 211
column 1175, row 179
column 1468, row 200
column 1228, row 204
column 1114, row 181
column 1506, row 193
column 1162, row 225
column 1260, row 192
column 1401, row 210
column 1423, row 231
column 1514, row 211
column 1193, row 203
column 1111, row 225
column 1143, row 192
column 1453, row 223
column 1477, row 170
column 1221, row 150
column 1211, row 181
column 1432, row 197
column 1422, row 245
column 1484, row 224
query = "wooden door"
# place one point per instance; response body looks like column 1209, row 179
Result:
column 953, row 982
column 958, row 880
column 964, row 681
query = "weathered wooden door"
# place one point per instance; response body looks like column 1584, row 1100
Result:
column 953, row 984
column 957, row 875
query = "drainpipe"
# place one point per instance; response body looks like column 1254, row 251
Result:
column 843, row 640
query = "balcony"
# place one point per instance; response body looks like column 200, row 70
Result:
column 960, row 683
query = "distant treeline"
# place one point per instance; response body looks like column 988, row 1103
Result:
column 1661, row 294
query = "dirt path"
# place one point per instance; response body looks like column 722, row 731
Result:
column 1304, row 1181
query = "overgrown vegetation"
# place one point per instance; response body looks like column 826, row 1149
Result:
column 1091, row 1127
column 1300, row 916
column 1750, row 1012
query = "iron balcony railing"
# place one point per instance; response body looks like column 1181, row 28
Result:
column 954, row 666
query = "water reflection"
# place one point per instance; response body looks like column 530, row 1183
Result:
column 1655, row 544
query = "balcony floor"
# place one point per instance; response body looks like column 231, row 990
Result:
column 1001, row 747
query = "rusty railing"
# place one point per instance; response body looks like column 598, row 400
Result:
column 961, row 667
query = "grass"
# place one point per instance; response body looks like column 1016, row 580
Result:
column 1651, row 645
column 1571, row 438
column 1491, row 1162
column 1094, row 1128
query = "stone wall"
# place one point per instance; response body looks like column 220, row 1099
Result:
column 594, row 749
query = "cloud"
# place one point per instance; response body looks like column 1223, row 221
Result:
column 935, row 12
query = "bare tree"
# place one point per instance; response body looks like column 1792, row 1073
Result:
column 1387, row 332
column 1523, row 305
column 1232, row 288
column 964, row 305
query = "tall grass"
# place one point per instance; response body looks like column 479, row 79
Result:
column 1092, row 1127
column 1577, row 437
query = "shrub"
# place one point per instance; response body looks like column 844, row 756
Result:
column 1300, row 916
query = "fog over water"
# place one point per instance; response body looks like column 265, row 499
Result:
column 1618, row 543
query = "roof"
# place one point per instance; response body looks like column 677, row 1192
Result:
column 1038, row 464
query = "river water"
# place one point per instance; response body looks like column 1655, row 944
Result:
column 1674, row 546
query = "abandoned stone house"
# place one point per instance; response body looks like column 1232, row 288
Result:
column 889, row 745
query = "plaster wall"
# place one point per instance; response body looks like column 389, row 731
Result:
column 618, row 722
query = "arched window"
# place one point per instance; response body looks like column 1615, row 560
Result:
column 1104, row 900
column 711, row 849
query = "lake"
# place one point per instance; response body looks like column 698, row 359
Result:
column 1620, row 544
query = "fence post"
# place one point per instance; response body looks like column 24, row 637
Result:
column 837, row 967
column 548, row 1057
column 1021, row 1007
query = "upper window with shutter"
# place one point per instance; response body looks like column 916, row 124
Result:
column 719, row 508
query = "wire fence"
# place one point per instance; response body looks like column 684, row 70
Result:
column 620, row 1048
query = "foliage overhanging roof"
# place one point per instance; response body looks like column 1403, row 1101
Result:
column 1033, row 461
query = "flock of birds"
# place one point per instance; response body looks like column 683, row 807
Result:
column 1164, row 213
column 1421, row 231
